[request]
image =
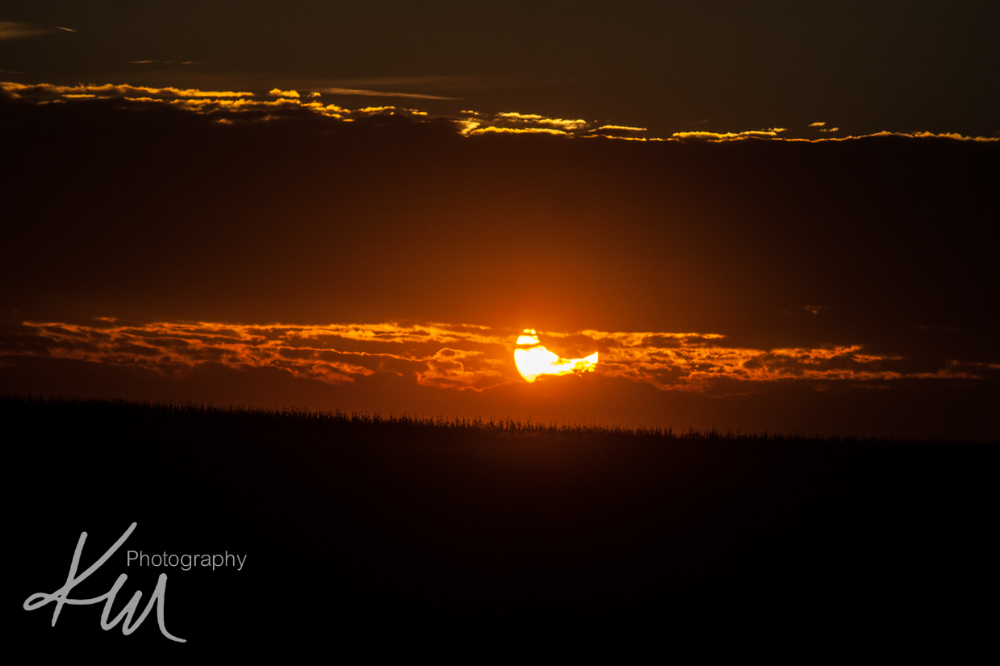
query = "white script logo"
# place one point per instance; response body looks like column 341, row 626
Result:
column 61, row 596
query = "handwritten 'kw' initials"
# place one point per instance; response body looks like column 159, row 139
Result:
column 61, row 596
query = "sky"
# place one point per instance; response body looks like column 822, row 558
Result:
column 771, row 217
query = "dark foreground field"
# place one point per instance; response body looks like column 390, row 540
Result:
column 365, row 537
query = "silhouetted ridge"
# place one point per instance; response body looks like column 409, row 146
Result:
column 400, row 423
column 373, row 534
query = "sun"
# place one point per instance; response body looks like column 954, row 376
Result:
column 534, row 360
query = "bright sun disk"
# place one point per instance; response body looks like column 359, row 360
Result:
column 535, row 360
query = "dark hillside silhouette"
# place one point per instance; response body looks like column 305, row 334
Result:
column 366, row 535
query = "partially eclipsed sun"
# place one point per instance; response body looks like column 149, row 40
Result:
column 533, row 360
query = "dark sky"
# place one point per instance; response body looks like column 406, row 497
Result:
column 278, row 248
column 668, row 66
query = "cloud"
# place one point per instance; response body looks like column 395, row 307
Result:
column 467, row 127
column 818, row 124
column 619, row 138
column 516, row 130
column 165, row 62
column 905, row 135
column 461, row 369
column 772, row 135
column 122, row 90
column 623, row 128
column 729, row 136
column 381, row 93
column 436, row 355
column 458, row 357
column 536, row 119
column 18, row 30
column 222, row 107
column 513, row 115
column 453, row 82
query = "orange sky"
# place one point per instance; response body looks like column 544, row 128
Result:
column 279, row 248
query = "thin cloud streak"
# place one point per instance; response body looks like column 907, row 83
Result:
column 18, row 30
column 380, row 93
column 623, row 128
column 405, row 81
column 161, row 62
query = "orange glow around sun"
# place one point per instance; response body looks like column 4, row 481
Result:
column 533, row 360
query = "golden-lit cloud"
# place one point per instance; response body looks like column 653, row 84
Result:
column 513, row 115
column 623, row 128
column 516, row 130
column 772, row 135
column 904, row 135
column 729, row 136
column 562, row 123
column 230, row 107
column 458, row 357
column 536, row 119
column 467, row 126
column 620, row 138
column 123, row 90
